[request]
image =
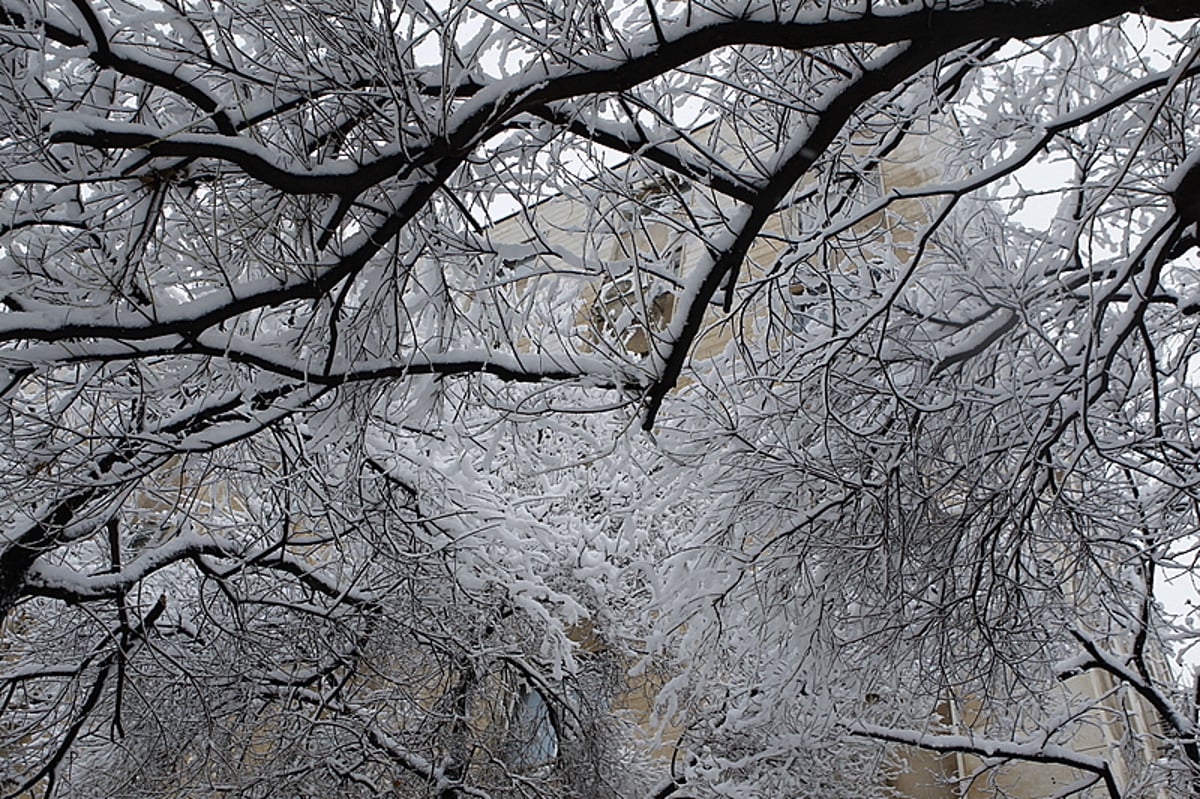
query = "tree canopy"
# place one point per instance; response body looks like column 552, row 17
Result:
column 391, row 391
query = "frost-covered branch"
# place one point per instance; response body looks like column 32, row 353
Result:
column 1034, row 750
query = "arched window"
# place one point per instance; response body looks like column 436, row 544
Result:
column 533, row 740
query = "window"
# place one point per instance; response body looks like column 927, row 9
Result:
column 629, row 312
column 533, row 741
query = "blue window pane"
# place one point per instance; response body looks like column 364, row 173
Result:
column 532, row 736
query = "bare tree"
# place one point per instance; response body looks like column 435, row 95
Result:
column 328, row 329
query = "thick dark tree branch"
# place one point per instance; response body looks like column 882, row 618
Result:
column 840, row 108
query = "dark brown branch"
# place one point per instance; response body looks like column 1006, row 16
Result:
column 104, row 55
column 726, row 263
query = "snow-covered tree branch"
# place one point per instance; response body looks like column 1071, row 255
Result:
column 525, row 398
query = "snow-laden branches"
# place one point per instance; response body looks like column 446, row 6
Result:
column 1035, row 751
column 485, row 399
